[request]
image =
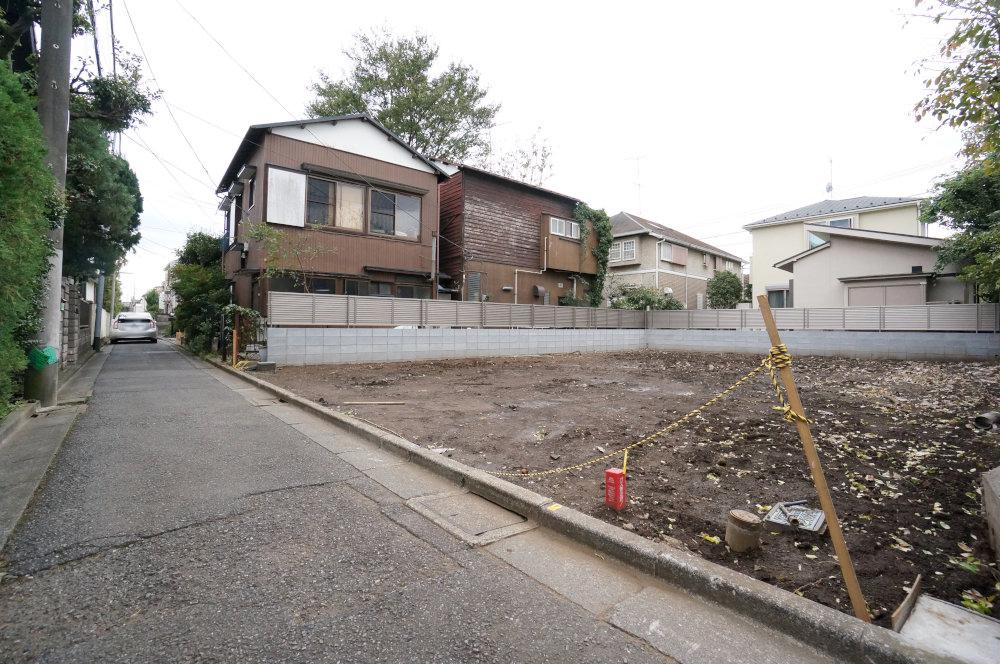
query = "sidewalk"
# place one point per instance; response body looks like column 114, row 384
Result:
column 192, row 516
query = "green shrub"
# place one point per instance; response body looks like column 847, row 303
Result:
column 29, row 205
column 202, row 291
column 640, row 297
column 724, row 291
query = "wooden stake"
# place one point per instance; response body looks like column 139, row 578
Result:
column 236, row 325
column 819, row 479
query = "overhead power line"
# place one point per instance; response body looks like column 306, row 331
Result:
column 170, row 111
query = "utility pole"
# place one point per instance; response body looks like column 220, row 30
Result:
column 99, row 316
column 42, row 381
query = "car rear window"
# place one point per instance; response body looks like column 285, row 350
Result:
column 135, row 319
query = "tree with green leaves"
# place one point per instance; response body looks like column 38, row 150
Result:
column 201, row 289
column 152, row 300
column 963, row 80
column 444, row 115
column 29, row 206
column 969, row 203
column 724, row 291
column 104, row 203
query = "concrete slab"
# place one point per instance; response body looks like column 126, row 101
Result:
column 953, row 631
column 693, row 631
column 332, row 439
column 471, row 518
column 24, row 460
column 368, row 459
column 289, row 414
column 257, row 396
column 991, row 507
column 409, row 481
column 575, row 572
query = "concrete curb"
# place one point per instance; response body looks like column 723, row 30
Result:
column 15, row 419
column 831, row 631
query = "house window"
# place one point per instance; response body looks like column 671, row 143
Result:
column 730, row 266
column 777, row 298
column 704, row 260
column 666, row 252
column 473, row 283
column 839, row 223
column 564, row 228
column 814, row 240
column 397, row 215
column 324, row 286
column 616, row 252
column 407, row 290
column 381, row 289
column 251, row 192
column 319, row 202
column 335, row 204
column 628, row 250
column 355, row 287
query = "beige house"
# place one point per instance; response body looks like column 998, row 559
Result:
column 645, row 253
column 857, row 267
column 777, row 238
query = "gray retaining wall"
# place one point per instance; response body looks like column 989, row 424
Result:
column 317, row 345
column 291, row 345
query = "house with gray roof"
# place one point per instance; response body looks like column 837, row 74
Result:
column 781, row 237
column 647, row 253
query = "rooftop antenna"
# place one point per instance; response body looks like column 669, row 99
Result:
column 638, row 182
column 829, row 184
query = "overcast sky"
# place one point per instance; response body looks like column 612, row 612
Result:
column 700, row 116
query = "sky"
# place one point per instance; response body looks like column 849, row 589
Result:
column 703, row 117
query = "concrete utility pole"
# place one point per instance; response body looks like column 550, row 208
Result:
column 99, row 322
column 42, row 380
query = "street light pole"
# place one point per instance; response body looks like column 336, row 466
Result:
column 42, row 380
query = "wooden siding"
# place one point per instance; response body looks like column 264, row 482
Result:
column 502, row 221
column 452, row 195
column 343, row 252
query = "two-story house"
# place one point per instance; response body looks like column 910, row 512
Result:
column 503, row 240
column 782, row 236
column 645, row 253
column 356, row 209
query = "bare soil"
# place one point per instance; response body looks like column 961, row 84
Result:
column 897, row 441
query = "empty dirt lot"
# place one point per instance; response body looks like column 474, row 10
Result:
column 896, row 438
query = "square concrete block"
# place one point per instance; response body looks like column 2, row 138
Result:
column 560, row 564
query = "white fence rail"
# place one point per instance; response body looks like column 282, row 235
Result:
column 296, row 309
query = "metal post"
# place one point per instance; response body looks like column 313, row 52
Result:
column 42, row 379
column 816, row 468
column 99, row 313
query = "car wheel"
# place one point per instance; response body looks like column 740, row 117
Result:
column 153, row 340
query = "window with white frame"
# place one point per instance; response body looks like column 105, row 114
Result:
column 840, row 223
column 730, row 266
column 628, row 250
column 614, row 255
column 666, row 252
column 564, row 228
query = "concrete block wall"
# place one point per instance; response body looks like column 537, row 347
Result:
column 316, row 345
column 291, row 345
column 864, row 345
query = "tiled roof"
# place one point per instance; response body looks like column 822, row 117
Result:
column 624, row 223
column 833, row 207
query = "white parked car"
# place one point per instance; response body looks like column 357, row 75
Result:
column 133, row 326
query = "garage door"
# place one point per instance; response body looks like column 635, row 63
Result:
column 869, row 296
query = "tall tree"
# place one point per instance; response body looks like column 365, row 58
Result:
column 969, row 203
column 201, row 289
column 965, row 89
column 441, row 115
column 528, row 161
column 104, row 203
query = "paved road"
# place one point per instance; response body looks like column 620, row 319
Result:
column 182, row 522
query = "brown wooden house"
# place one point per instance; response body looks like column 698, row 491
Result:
column 355, row 206
column 503, row 240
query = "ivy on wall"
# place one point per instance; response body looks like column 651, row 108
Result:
column 598, row 222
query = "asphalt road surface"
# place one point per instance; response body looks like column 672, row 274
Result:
column 181, row 522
